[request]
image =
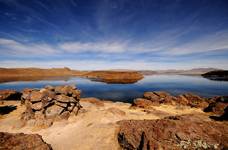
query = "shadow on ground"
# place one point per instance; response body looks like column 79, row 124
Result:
column 7, row 109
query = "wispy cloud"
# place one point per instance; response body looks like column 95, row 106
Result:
column 12, row 47
column 212, row 42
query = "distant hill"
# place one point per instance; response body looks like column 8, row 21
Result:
column 195, row 71
column 34, row 74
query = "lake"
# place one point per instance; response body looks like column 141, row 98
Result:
column 174, row 84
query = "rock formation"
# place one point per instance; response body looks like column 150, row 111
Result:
column 50, row 103
column 156, row 98
column 175, row 132
column 219, row 107
column 19, row 141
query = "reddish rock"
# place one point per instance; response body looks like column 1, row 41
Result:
column 36, row 96
column 177, row 132
column 192, row 100
column 143, row 103
column 157, row 98
column 19, row 141
column 66, row 90
column 62, row 98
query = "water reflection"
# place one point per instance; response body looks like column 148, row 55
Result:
column 175, row 84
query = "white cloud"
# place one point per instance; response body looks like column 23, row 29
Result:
column 104, row 47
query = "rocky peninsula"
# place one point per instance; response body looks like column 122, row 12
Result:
column 158, row 120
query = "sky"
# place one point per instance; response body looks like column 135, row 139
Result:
column 114, row 34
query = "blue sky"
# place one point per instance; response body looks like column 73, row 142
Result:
column 120, row 34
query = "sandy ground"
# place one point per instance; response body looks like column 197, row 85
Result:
column 94, row 128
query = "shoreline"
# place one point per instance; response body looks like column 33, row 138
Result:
column 104, row 124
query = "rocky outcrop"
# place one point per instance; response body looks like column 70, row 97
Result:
column 19, row 141
column 219, row 107
column 50, row 103
column 156, row 98
column 176, row 132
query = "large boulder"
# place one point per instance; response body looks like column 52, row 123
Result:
column 177, row 132
column 143, row 103
column 21, row 141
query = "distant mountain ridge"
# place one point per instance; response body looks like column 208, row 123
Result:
column 194, row 71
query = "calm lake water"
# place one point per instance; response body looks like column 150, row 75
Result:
column 175, row 84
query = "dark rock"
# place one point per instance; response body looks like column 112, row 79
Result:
column 182, row 132
column 21, row 141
